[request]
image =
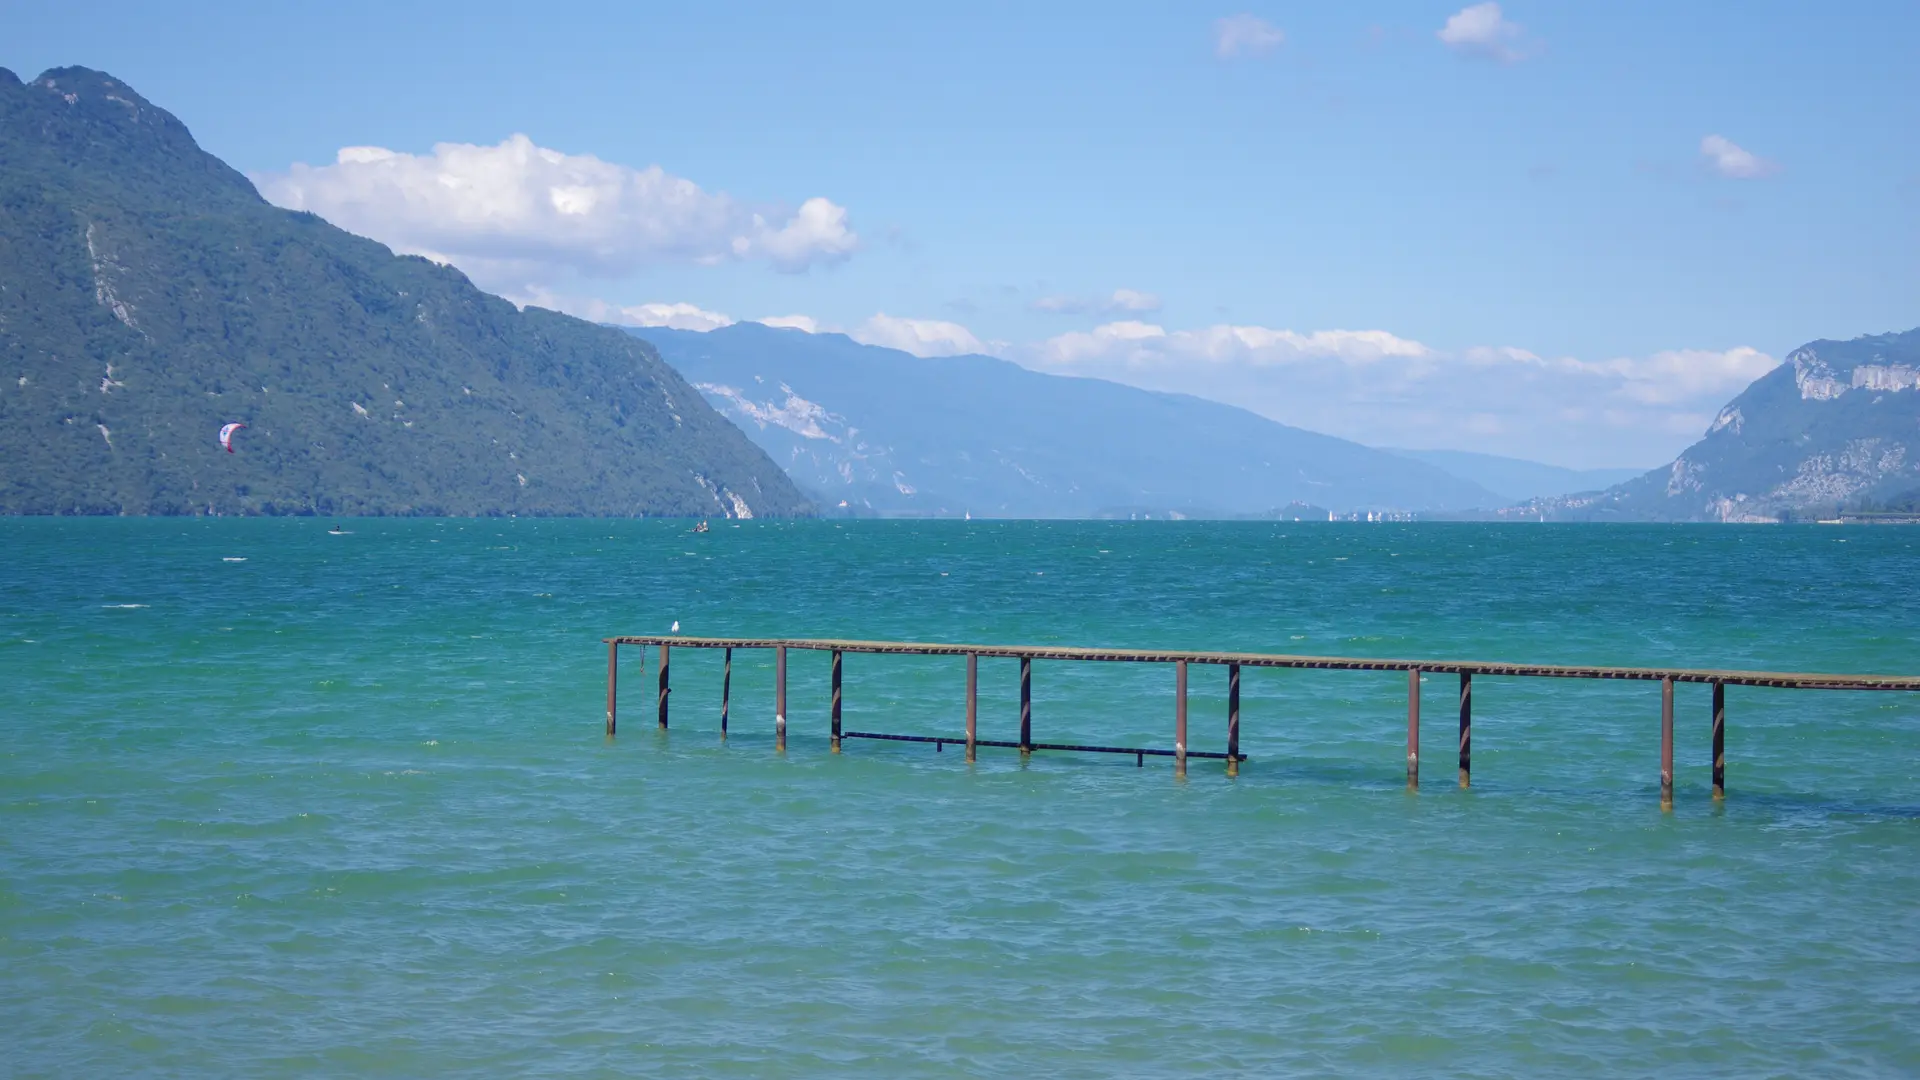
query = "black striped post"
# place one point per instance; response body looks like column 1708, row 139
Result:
column 836, row 701
column 1719, row 741
column 1233, row 719
column 726, row 691
column 1466, row 729
column 664, row 688
column 1026, row 706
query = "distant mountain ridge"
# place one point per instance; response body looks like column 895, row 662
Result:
column 1516, row 479
column 1837, row 422
column 886, row 432
column 148, row 295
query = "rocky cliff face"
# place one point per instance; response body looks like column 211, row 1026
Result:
column 1837, row 423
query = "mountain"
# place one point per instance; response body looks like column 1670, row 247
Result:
column 148, row 296
column 1515, row 479
column 886, row 432
column 1837, row 423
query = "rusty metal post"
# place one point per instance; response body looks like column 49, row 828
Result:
column 836, row 701
column 1179, row 718
column 1026, row 706
column 1233, row 719
column 1666, row 744
column 664, row 688
column 726, row 691
column 1413, row 729
column 1466, row 729
column 1719, row 741
column 973, row 701
column 780, row 697
column 613, row 680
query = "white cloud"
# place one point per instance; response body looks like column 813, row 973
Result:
column 921, row 337
column 1144, row 344
column 1120, row 300
column 518, row 215
column 1481, row 30
column 675, row 316
column 1245, row 35
column 792, row 322
column 1730, row 160
column 1376, row 387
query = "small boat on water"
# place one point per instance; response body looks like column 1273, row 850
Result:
column 701, row 527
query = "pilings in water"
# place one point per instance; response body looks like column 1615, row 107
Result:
column 665, row 689
column 613, row 680
column 1233, row 662
column 1466, row 729
column 1666, row 744
column 973, row 702
column 726, row 691
column 1233, row 719
column 1026, row 706
column 836, row 701
column 1179, row 718
column 1719, row 740
column 1413, row 729
column 780, row 697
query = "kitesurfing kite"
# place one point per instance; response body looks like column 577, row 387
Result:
column 226, row 436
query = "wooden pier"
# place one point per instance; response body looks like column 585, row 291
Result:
column 1233, row 662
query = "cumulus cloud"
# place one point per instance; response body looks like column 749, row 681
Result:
column 792, row 322
column 1481, row 30
column 1376, row 387
column 1120, row 300
column 518, row 214
column 1729, row 159
column 674, row 316
column 921, row 337
column 1245, row 35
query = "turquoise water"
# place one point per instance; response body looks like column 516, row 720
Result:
column 345, row 807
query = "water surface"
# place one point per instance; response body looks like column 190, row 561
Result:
column 278, row 802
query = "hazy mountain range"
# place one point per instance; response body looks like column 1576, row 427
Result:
column 883, row 431
column 148, row 296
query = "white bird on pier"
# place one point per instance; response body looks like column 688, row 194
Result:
column 676, row 627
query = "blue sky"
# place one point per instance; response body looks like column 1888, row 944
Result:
column 1562, row 231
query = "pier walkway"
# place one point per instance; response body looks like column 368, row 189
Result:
column 1233, row 662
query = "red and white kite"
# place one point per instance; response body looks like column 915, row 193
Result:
column 226, row 436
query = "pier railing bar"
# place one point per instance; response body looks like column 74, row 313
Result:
column 1776, row 679
column 1011, row 744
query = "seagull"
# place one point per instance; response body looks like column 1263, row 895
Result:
column 676, row 627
